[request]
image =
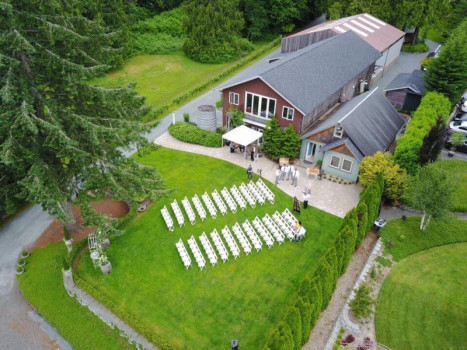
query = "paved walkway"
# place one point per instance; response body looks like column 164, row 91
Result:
column 326, row 195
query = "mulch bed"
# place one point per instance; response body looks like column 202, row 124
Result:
column 54, row 233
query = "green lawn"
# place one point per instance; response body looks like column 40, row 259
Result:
column 457, row 170
column 439, row 232
column 422, row 303
column 162, row 78
column 42, row 286
column 242, row 299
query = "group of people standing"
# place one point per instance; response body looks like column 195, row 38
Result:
column 290, row 171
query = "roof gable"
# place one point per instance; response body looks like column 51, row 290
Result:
column 413, row 81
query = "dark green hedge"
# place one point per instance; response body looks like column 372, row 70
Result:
column 424, row 119
column 420, row 47
column 316, row 290
column 190, row 133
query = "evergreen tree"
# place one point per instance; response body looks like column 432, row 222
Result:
column 304, row 308
column 272, row 138
column 290, row 143
column 447, row 73
column 214, row 28
column 362, row 214
column 292, row 318
column 433, row 143
column 63, row 136
column 286, row 338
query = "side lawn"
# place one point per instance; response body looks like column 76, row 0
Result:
column 422, row 303
column 457, row 170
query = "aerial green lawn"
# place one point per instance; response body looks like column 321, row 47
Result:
column 439, row 232
column 162, row 78
column 192, row 309
column 42, row 287
column 422, row 303
column 457, row 170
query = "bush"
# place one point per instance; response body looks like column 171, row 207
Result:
column 186, row 117
column 425, row 63
column 420, row 47
column 292, row 319
column 362, row 303
column 125, row 220
column 304, row 308
column 192, row 134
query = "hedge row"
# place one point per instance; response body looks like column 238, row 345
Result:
column 407, row 151
column 316, row 290
column 217, row 78
column 190, row 133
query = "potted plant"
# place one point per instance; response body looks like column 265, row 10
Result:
column 457, row 140
column 21, row 262
column 67, row 238
column 105, row 265
column 24, row 254
column 103, row 239
column 67, row 265
column 19, row 270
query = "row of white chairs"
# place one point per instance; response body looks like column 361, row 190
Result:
column 256, row 193
column 228, row 198
column 289, row 218
column 189, row 210
column 265, row 190
column 210, row 205
column 231, row 242
column 197, row 253
column 208, row 249
column 247, row 195
column 263, row 232
column 244, row 242
column 272, row 227
column 223, row 253
column 178, row 213
column 238, row 197
column 183, row 254
column 167, row 218
column 219, row 202
column 250, row 232
column 283, row 225
column 199, row 207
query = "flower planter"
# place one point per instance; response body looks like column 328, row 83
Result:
column 69, row 244
column 21, row 262
column 20, row 270
column 106, row 268
column 105, row 243
column 451, row 154
column 24, row 254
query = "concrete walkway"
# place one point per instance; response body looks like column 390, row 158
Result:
column 329, row 196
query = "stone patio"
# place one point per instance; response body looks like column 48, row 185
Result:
column 326, row 195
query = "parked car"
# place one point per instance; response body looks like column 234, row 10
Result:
column 464, row 106
column 460, row 116
column 459, row 126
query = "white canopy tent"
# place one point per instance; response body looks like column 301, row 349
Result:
column 242, row 135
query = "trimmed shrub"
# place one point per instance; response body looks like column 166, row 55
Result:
column 362, row 223
column 362, row 303
column 273, row 340
column 304, row 308
column 292, row 318
column 192, row 134
column 305, row 288
column 420, row 47
column 286, row 339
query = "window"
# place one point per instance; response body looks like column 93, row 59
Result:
column 287, row 113
column 234, row 98
column 347, row 165
column 260, row 106
column 335, row 161
column 338, row 131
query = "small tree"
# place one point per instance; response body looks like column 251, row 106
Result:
column 290, row 143
column 457, row 140
column 433, row 143
column 362, row 303
column 394, row 176
column 292, row 318
column 430, row 191
column 272, row 138
column 236, row 117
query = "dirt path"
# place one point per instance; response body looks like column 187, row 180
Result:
column 323, row 328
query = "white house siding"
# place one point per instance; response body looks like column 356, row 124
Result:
column 387, row 60
column 352, row 176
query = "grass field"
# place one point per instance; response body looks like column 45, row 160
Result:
column 241, row 299
column 422, row 303
column 439, row 232
column 457, row 170
column 42, row 286
column 162, row 78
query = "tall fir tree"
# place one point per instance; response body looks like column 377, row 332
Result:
column 290, row 143
column 447, row 74
column 63, row 137
column 272, row 138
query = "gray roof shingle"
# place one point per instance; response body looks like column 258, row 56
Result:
column 308, row 77
column 413, row 81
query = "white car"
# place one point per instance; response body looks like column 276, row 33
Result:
column 464, row 106
column 458, row 126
